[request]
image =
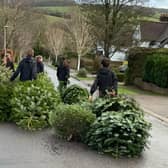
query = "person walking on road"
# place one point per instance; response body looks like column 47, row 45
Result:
column 40, row 65
column 106, row 81
column 26, row 68
column 9, row 62
column 63, row 74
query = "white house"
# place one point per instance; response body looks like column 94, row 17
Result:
column 152, row 34
column 88, row 1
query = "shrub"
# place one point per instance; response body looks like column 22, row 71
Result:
column 82, row 73
column 119, row 134
column 5, row 96
column 5, row 74
column 5, row 93
column 120, row 103
column 96, row 64
column 136, row 61
column 121, row 77
column 32, row 101
column 75, row 94
column 71, row 121
column 156, row 70
column 86, row 105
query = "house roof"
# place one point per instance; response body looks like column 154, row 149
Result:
column 154, row 31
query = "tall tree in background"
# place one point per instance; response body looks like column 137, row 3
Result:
column 23, row 24
column 79, row 34
column 55, row 39
column 114, row 20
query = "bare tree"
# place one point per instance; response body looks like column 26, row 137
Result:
column 55, row 39
column 79, row 35
column 24, row 24
column 14, row 14
column 114, row 20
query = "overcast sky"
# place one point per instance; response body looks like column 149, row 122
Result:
column 159, row 3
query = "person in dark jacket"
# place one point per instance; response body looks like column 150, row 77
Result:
column 106, row 81
column 63, row 73
column 9, row 63
column 39, row 63
column 26, row 68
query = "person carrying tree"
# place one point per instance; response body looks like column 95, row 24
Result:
column 106, row 81
column 63, row 74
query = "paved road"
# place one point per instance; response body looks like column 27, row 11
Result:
column 157, row 104
column 20, row 149
column 52, row 75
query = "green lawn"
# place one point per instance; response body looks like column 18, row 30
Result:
column 53, row 19
column 133, row 90
column 55, row 9
column 154, row 18
column 86, row 79
column 151, row 19
column 63, row 9
column 127, row 91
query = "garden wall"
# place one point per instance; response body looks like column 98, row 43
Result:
column 150, row 87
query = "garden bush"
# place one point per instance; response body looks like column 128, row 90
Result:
column 5, row 74
column 86, row 105
column 119, row 133
column 75, row 94
column 5, row 93
column 156, row 70
column 136, row 61
column 119, row 103
column 82, row 73
column 121, row 77
column 5, row 96
column 32, row 102
column 71, row 121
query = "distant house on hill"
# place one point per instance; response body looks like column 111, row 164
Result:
column 152, row 34
column 88, row 1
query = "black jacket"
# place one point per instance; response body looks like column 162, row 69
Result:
column 10, row 65
column 63, row 73
column 27, row 70
column 40, row 67
column 105, row 80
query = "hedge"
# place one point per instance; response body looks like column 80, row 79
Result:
column 82, row 73
column 72, row 122
column 121, row 77
column 136, row 61
column 156, row 70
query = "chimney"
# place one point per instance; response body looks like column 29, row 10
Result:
column 164, row 17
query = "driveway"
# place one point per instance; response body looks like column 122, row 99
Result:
column 157, row 104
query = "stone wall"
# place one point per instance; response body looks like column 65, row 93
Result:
column 150, row 87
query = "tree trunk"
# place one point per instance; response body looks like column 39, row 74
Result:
column 79, row 62
column 107, row 40
column 49, row 59
column 56, row 58
column 20, row 56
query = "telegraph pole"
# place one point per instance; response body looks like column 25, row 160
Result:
column 5, row 39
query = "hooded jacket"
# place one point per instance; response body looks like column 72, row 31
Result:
column 63, row 73
column 26, row 69
column 10, row 65
column 105, row 80
column 40, row 67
